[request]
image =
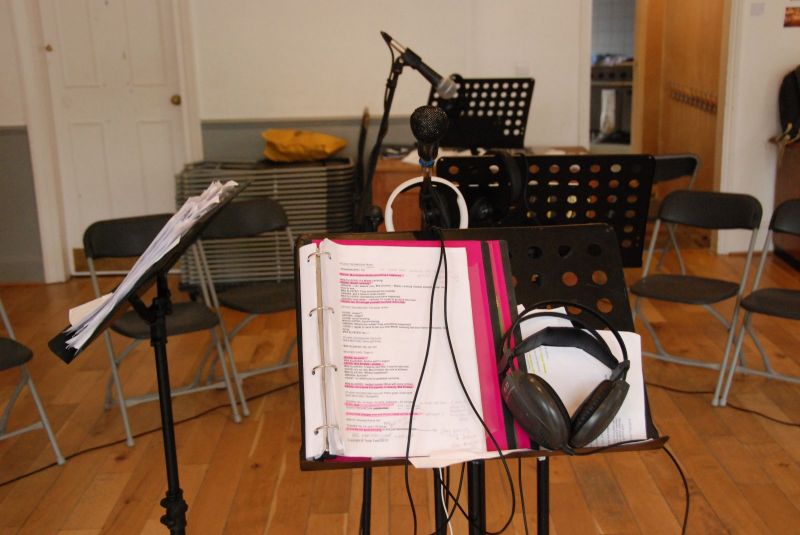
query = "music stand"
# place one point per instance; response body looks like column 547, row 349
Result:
column 486, row 112
column 558, row 190
column 541, row 259
column 155, row 316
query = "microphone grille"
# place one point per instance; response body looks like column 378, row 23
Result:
column 429, row 123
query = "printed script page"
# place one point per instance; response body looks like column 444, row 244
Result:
column 378, row 334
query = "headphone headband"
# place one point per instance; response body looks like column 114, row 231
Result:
column 591, row 342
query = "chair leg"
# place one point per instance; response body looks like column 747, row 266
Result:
column 234, row 408
column 43, row 417
column 118, row 359
column 662, row 354
column 236, row 377
column 728, row 346
column 123, row 407
column 721, row 399
column 10, row 405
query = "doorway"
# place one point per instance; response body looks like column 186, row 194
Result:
column 613, row 29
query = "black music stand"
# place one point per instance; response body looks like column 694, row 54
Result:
column 579, row 263
column 155, row 316
column 558, row 190
column 486, row 112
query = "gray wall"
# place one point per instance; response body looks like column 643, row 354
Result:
column 241, row 139
column 20, row 248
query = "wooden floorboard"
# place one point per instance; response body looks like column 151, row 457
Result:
column 743, row 470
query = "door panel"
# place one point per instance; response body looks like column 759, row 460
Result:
column 113, row 69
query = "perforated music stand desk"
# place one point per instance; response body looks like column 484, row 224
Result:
column 173, row 503
column 579, row 263
column 486, row 112
column 561, row 190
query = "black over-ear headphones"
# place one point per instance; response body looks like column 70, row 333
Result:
column 537, row 407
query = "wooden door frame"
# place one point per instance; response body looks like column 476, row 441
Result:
column 42, row 134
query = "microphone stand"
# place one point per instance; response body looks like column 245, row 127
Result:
column 368, row 217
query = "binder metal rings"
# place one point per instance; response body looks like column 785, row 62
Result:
column 314, row 369
column 320, row 308
column 318, row 253
column 316, row 430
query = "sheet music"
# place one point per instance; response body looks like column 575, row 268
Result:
column 192, row 210
column 377, row 333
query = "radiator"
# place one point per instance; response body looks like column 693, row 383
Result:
column 317, row 198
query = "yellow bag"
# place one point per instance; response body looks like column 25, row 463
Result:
column 299, row 145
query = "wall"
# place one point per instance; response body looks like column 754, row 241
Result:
column 261, row 60
column 761, row 52
column 20, row 246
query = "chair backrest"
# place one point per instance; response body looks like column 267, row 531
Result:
column 247, row 218
column 786, row 217
column 116, row 238
column 711, row 209
column 674, row 166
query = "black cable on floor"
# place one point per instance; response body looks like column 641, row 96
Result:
column 141, row 434
column 685, row 488
column 729, row 405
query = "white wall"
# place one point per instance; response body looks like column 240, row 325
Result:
column 12, row 111
column 761, row 52
column 261, row 59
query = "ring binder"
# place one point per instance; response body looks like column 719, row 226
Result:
column 314, row 369
column 319, row 308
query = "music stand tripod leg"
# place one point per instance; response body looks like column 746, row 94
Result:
column 173, row 502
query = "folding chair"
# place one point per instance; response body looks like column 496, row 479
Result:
column 129, row 237
column 776, row 302
column 704, row 209
column 669, row 167
column 247, row 219
column 15, row 355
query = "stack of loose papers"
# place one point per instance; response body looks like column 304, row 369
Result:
column 86, row 319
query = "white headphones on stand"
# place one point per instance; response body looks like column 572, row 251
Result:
column 463, row 213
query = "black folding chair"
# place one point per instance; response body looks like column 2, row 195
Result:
column 247, row 219
column 15, row 355
column 669, row 167
column 704, row 209
column 775, row 302
column 129, row 237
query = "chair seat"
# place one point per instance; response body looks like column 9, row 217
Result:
column 260, row 297
column 186, row 317
column 686, row 289
column 13, row 354
column 774, row 302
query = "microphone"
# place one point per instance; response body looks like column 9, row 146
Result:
column 428, row 124
column 445, row 87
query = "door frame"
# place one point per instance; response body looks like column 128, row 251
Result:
column 40, row 122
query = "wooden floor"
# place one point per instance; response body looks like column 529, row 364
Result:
column 743, row 470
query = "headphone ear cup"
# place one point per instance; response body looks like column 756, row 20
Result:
column 597, row 411
column 537, row 408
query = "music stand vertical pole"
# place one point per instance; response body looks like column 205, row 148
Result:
column 543, row 495
column 439, row 511
column 175, row 505
column 476, row 481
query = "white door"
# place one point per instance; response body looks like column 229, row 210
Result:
column 114, row 82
